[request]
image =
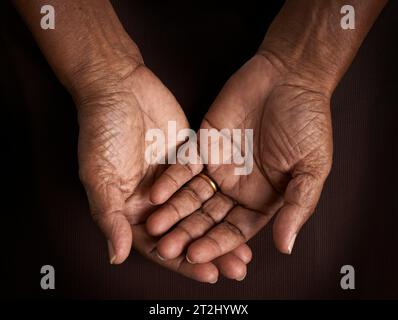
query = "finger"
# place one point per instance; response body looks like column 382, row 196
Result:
column 182, row 204
column 171, row 180
column 146, row 245
column 231, row 266
column 107, row 206
column 301, row 196
column 194, row 226
column 237, row 228
column 244, row 253
column 117, row 230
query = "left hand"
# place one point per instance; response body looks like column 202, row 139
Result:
column 292, row 158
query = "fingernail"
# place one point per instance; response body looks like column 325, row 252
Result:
column 191, row 262
column 159, row 256
column 111, row 251
column 241, row 278
column 214, row 281
column 291, row 243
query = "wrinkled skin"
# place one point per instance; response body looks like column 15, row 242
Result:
column 117, row 104
column 292, row 158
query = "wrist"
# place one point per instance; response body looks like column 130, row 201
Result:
column 88, row 37
column 103, row 63
column 309, row 71
column 306, row 41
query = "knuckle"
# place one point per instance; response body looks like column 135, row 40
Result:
column 215, row 243
column 174, row 208
column 186, row 231
column 191, row 194
column 206, row 216
column 202, row 189
column 231, row 227
column 171, row 180
column 193, row 169
column 220, row 204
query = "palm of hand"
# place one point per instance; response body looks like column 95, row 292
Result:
column 292, row 155
column 113, row 122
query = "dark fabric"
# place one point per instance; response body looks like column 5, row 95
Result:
column 194, row 49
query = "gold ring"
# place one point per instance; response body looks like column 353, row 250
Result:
column 209, row 180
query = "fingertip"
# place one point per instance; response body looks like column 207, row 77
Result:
column 119, row 258
column 169, row 247
column 240, row 272
column 207, row 273
column 111, row 252
column 120, row 238
column 155, row 225
column 160, row 256
column 291, row 242
column 279, row 240
column 301, row 197
column 157, row 196
column 244, row 253
column 198, row 253
column 119, row 250
column 232, row 267
column 284, row 235
column 150, row 226
column 189, row 259
column 241, row 278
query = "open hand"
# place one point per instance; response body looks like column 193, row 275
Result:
column 292, row 157
column 117, row 104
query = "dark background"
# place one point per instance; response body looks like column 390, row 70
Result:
column 194, row 47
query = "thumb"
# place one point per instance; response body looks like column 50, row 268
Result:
column 107, row 206
column 300, row 199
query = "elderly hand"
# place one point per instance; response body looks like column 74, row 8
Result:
column 117, row 104
column 292, row 152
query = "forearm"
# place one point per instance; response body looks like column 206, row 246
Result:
column 87, row 34
column 306, row 38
